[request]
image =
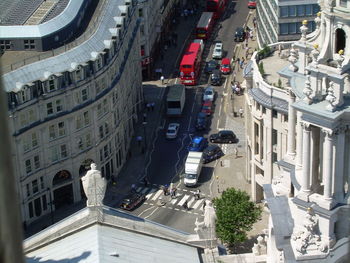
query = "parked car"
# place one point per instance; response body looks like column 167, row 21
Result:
column 224, row 136
column 225, row 66
column 252, row 4
column 217, row 52
column 201, row 121
column 198, row 144
column 207, row 107
column 132, row 200
column 172, row 130
column 210, row 66
column 211, row 153
column 209, row 93
column 239, row 34
column 215, row 78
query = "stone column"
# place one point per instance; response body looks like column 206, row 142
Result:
column 328, row 164
column 299, row 156
column 305, row 181
column 339, row 162
column 291, row 125
column 315, row 158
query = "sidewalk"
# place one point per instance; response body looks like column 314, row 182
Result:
column 136, row 165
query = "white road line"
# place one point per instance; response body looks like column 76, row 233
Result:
column 177, row 209
column 195, row 206
column 146, row 210
column 183, row 200
column 189, row 124
column 151, row 213
column 173, row 202
column 139, row 189
column 144, row 190
column 191, row 201
column 155, row 197
column 150, row 193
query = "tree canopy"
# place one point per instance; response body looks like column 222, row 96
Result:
column 236, row 215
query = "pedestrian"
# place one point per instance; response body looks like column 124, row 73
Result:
column 173, row 192
column 165, row 189
column 139, row 140
column 251, row 34
column 148, row 106
column 240, row 112
column 152, row 106
column 204, row 204
column 236, row 152
column 241, row 64
column 133, row 188
column 185, row 205
column 162, row 79
column 165, row 47
column 247, row 53
column 197, row 194
column 144, row 117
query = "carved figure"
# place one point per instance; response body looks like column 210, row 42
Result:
column 94, row 186
column 206, row 228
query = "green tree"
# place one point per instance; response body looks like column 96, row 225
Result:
column 261, row 68
column 236, row 215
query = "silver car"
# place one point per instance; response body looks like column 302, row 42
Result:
column 209, row 94
column 172, row 130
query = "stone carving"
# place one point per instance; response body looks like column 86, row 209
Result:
column 206, row 228
column 260, row 248
column 94, row 186
column 318, row 20
column 330, row 97
column 340, row 58
column 303, row 30
column 314, row 54
column 307, row 239
column 293, row 58
column 307, row 91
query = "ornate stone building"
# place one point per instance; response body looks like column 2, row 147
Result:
column 307, row 192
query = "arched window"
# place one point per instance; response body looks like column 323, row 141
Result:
column 339, row 40
column 61, row 177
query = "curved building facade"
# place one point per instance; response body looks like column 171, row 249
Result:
column 73, row 109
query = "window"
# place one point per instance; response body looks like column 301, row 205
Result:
column 52, row 132
column 106, row 128
column 84, row 94
column 263, row 110
column 284, row 29
column 29, row 44
column 28, row 165
column 31, row 209
column 100, row 132
column 274, row 136
column 86, row 118
column 43, row 198
column 285, row 116
column 308, row 10
column 292, row 11
column 49, row 108
column 274, row 157
column 58, row 106
column 274, row 114
column 28, row 190
column 58, row 152
column 61, row 129
column 36, row 162
column 316, row 9
column 5, row 44
column 79, row 74
column 63, row 149
column 42, row 185
column 99, row 62
column 292, row 28
column 88, row 139
column 284, row 11
column 301, row 10
column 140, row 12
column 52, row 86
column 35, row 186
column 30, row 141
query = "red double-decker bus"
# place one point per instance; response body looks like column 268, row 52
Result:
column 191, row 63
column 205, row 25
column 216, row 6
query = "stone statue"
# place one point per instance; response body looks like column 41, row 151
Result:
column 260, row 248
column 94, row 186
column 206, row 229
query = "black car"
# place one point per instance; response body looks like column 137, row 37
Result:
column 201, row 121
column 211, row 153
column 239, row 34
column 210, row 66
column 224, row 136
column 132, row 200
column 215, row 78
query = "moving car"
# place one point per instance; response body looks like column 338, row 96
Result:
column 198, row 144
column 132, row 200
column 209, row 93
column 207, row 107
column 239, row 34
column 225, row 66
column 201, row 121
column 224, row 136
column 210, row 66
column 211, row 153
column 217, row 52
column 172, row 130
column 215, row 78
column 252, row 4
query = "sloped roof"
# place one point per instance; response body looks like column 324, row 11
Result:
column 268, row 101
column 108, row 235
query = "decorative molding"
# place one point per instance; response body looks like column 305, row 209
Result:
column 330, row 97
column 307, row 91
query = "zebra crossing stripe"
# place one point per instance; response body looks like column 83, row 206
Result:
column 155, row 197
column 173, row 201
column 139, row 189
column 183, row 200
column 150, row 193
column 191, row 201
column 195, row 206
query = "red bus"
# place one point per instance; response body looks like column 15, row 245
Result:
column 216, row 6
column 191, row 63
column 205, row 25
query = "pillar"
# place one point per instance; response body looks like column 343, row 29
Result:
column 299, row 156
column 291, row 125
column 315, row 159
column 305, row 180
column 339, row 162
column 328, row 164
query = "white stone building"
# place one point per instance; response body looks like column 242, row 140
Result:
column 307, row 189
column 73, row 108
column 280, row 20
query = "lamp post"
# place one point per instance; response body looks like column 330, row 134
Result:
column 51, row 208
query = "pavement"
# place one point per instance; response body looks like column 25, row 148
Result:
column 230, row 171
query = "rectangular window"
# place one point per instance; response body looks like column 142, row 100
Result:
column 49, row 108
column 44, row 201
column 274, row 114
column 28, row 165
column 100, row 130
column 140, row 12
column 99, row 110
column 63, row 149
column 292, row 11
column 42, row 185
column 86, row 118
column 316, row 8
column 31, row 210
column 36, row 162
column 35, row 186
column 78, row 122
column 59, row 107
column 105, row 151
column 28, row 190
column 274, row 157
column 84, row 94
column 285, row 117
column 301, row 10
column 274, row 136
column 308, row 10
column 26, row 145
column 61, row 129
column 284, row 29
column 88, row 140
column 54, row 154
column 284, row 11
column 292, row 28
column 106, row 128
column 31, row 116
column 34, row 140
column 52, row 85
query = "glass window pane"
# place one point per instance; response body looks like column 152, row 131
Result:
column 292, row 28
column 315, row 9
column 300, row 10
column 308, row 10
column 284, row 29
column 292, row 10
column 284, row 11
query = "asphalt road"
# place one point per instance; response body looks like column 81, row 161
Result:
column 168, row 157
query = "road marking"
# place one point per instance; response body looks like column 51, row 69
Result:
column 177, row 209
column 155, row 197
column 146, row 210
column 139, row 189
column 191, row 201
column 197, row 204
column 144, row 190
column 174, row 201
column 151, row 213
column 183, row 200
column 151, row 193
column 189, row 124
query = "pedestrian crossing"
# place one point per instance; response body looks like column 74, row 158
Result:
column 154, row 195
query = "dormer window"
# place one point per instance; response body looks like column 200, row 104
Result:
column 24, row 94
column 99, row 62
column 51, row 84
column 79, row 74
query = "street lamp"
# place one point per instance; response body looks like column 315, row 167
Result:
column 51, row 208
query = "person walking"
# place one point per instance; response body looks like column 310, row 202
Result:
column 240, row 112
column 173, row 192
column 162, row 79
column 185, row 205
column 152, row 106
column 204, row 204
column 139, row 140
column 197, row 194
column 236, row 152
